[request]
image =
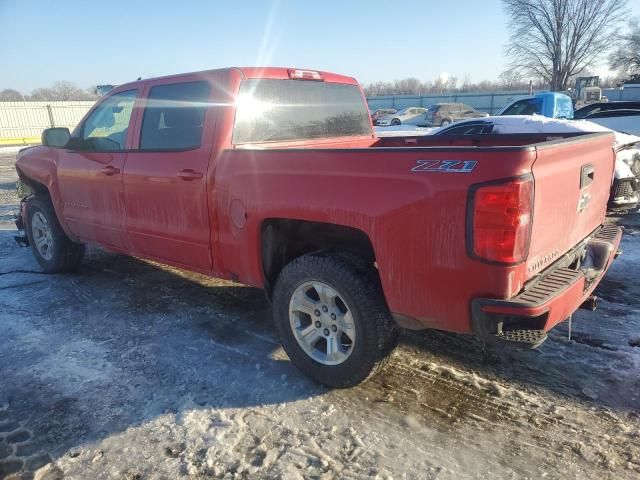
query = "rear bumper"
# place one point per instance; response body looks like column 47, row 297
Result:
column 553, row 297
column 625, row 193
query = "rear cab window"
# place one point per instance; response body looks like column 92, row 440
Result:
column 274, row 110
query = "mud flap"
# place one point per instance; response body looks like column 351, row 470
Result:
column 21, row 239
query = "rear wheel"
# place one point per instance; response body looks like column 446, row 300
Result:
column 395, row 121
column 445, row 122
column 332, row 319
column 53, row 250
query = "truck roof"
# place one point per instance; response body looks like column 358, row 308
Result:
column 281, row 73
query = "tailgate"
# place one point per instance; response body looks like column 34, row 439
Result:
column 572, row 183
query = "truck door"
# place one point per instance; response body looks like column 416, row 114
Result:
column 90, row 172
column 165, row 177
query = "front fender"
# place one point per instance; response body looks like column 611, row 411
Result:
column 37, row 167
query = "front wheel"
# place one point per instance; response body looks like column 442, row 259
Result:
column 445, row 122
column 333, row 320
column 53, row 250
column 395, row 122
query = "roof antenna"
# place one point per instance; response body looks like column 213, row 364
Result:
column 139, row 78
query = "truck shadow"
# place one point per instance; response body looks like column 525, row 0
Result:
column 124, row 341
column 121, row 342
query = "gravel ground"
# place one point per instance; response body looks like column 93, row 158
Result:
column 132, row 370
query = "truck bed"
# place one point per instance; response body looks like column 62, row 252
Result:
column 415, row 212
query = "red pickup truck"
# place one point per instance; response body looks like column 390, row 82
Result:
column 273, row 177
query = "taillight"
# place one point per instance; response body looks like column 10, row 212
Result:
column 500, row 218
column 296, row 74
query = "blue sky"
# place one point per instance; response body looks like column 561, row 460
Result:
column 112, row 41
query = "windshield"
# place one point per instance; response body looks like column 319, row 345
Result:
column 284, row 110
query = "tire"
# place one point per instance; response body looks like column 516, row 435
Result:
column 61, row 253
column 395, row 121
column 635, row 166
column 445, row 122
column 374, row 332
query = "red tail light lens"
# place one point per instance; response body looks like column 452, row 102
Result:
column 500, row 221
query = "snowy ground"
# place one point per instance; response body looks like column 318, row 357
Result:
column 130, row 370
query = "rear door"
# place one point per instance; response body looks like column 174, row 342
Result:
column 456, row 111
column 165, row 178
column 572, row 183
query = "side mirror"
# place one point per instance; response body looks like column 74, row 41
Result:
column 55, row 137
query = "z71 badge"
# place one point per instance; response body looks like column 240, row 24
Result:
column 446, row 166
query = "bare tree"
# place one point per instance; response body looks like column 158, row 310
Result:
column 466, row 83
column 408, row 86
column 558, row 39
column 10, row 95
column 511, row 78
column 41, row 94
column 65, row 90
column 411, row 86
column 626, row 58
column 62, row 90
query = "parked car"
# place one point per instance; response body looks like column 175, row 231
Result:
column 381, row 112
column 406, row 116
column 625, row 190
column 592, row 108
column 273, row 177
column 626, row 121
column 547, row 104
column 442, row 114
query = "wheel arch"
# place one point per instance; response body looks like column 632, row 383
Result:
column 40, row 189
column 34, row 186
column 283, row 240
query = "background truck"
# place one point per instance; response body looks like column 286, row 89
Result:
column 273, row 177
column 547, row 104
column 587, row 91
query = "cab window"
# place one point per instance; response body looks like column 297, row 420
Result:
column 527, row 106
column 106, row 128
column 173, row 118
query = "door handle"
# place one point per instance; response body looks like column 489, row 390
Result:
column 110, row 170
column 189, row 174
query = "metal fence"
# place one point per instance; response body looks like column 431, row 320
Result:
column 489, row 102
column 629, row 92
column 23, row 122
